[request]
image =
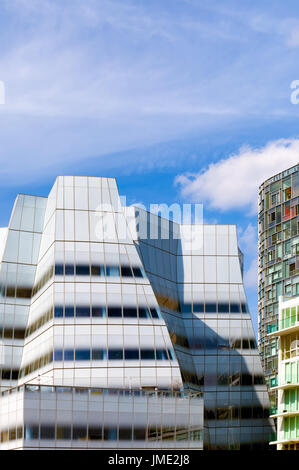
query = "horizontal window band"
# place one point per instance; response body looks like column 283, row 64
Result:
column 86, row 270
column 94, row 354
column 242, row 412
column 9, row 374
column 12, row 333
column 97, row 311
column 99, row 433
column 99, row 270
column 112, row 354
column 219, row 307
column 205, row 342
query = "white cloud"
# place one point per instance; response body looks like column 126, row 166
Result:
column 248, row 239
column 232, row 183
column 251, row 275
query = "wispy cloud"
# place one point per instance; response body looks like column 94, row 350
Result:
column 84, row 79
column 232, row 183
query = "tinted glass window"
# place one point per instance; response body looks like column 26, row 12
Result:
column 132, row 354
column 115, row 354
column 114, row 312
column 82, row 270
column 59, row 269
column 82, row 311
column 99, row 312
column 69, row 270
column 58, row 311
column 130, row 312
column 82, row 354
column 126, row 271
column 69, row 312
column 147, row 354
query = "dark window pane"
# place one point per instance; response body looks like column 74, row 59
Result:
column 6, row 374
column 186, row 308
column 31, row 432
column 82, row 354
column 130, row 312
column 210, row 307
column 144, row 312
column 69, row 269
column 125, row 434
column 63, row 432
column 97, row 354
column 79, row 432
column 161, row 354
column 235, row 308
column 58, row 312
column 139, row 434
column 114, row 312
column 244, row 308
column 82, row 311
column 259, row 380
column 82, row 270
column 198, row 308
column 19, row 334
column 154, row 313
column 14, row 374
column 110, row 434
column 68, row 354
column 245, row 344
column 223, row 307
column 69, row 312
column 58, row 355
column 98, row 270
column 147, row 354
column 115, row 354
column 246, row 379
column 47, row 432
column 137, row 272
column 99, row 312
column 95, row 433
column 132, row 354
column 126, row 271
column 59, row 269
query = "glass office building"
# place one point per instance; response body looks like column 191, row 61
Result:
column 278, row 262
column 121, row 329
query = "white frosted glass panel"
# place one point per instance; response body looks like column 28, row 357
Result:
column 197, row 269
column 222, row 240
column 81, row 226
column 234, row 270
column 209, row 240
column 68, row 197
column 12, row 243
column 69, row 225
column 210, row 268
column 233, row 242
column 222, row 269
column 59, row 225
column 197, row 240
column 95, row 198
column 81, row 199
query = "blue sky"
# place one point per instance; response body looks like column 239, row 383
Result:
column 181, row 100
